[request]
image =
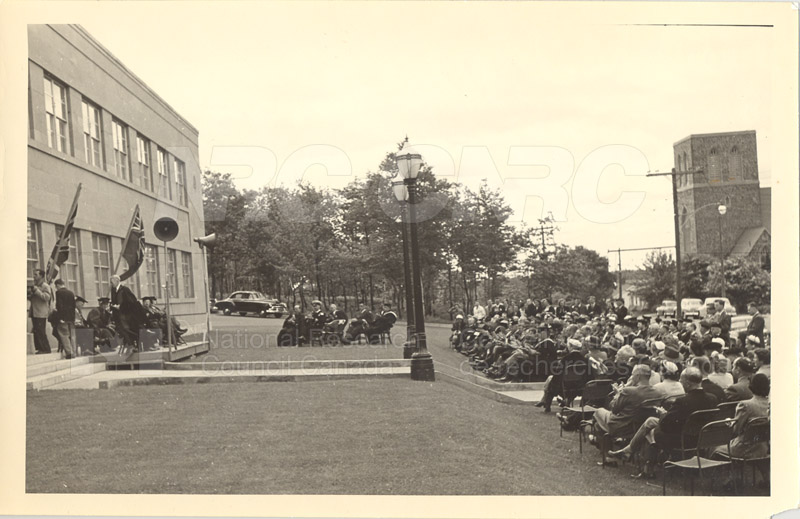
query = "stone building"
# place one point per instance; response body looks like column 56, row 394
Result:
column 93, row 122
column 726, row 173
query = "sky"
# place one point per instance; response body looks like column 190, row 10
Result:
column 564, row 114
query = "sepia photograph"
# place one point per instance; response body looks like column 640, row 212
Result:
column 401, row 252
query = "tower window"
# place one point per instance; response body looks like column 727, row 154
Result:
column 713, row 167
column 735, row 164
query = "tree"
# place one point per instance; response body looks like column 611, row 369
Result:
column 745, row 281
column 694, row 276
column 576, row 272
column 657, row 281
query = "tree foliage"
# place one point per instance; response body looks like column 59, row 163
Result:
column 658, row 280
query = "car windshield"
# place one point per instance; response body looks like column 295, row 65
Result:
column 258, row 295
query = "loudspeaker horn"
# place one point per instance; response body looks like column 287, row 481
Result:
column 165, row 229
column 207, row 241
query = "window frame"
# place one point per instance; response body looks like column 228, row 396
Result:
column 172, row 273
column 187, row 273
column 92, row 145
column 99, row 283
column 164, row 186
column 152, row 271
column 34, row 229
column 57, row 125
column 144, row 162
column 121, row 145
column 73, row 262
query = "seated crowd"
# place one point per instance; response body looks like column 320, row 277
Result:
column 662, row 369
column 333, row 327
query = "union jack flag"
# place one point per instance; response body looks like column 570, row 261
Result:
column 133, row 248
column 60, row 252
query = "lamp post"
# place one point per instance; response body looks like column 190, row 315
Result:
column 722, row 209
column 400, row 191
column 409, row 163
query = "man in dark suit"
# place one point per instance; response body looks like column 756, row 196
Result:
column 621, row 311
column 100, row 319
column 743, row 371
column 127, row 312
column 65, row 319
column 667, row 425
column 756, row 325
column 724, row 320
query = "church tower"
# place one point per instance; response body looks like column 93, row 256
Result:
column 728, row 165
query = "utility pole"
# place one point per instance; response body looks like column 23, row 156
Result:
column 673, row 175
column 545, row 231
column 619, row 264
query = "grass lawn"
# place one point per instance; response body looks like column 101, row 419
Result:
column 366, row 436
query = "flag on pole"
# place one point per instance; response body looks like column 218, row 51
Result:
column 133, row 248
column 60, row 252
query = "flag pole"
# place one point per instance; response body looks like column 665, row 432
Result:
column 127, row 237
column 52, row 264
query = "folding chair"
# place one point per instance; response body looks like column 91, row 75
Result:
column 713, row 434
column 728, row 409
column 755, row 431
column 594, row 395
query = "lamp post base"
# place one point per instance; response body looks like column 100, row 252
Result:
column 409, row 347
column 422, row 367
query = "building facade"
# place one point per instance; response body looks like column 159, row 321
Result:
column 93, row 122
column 725, row 167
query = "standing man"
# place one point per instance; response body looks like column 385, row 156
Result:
column 621, row 311
column 128, row 313
column 41, row 297
column 724, row 320
column 65, row 318
column 756, row 325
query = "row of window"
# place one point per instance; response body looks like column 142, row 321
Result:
column 717, row 172
column 146, row 281
column 138, row 169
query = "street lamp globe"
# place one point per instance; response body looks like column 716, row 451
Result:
column 722, row 209
column 400, row 190
column 408, row 162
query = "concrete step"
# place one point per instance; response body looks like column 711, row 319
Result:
column 40, row 368
column 45, row 357
column 56, row 377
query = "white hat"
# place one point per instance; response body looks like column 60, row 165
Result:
column 660, row 346
column 754, row 339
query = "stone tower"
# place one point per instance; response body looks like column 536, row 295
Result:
column 729, row 175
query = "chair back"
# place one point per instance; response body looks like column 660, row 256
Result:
column 574, row 379
column 728, row 409
column 596, row 391
column 695, row 423
column 756, row 431
column 714, row 434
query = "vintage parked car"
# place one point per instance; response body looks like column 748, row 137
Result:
column 729, row 309
column 690, row 307
column 668, row 308
column 243, row 303
column 276, row 309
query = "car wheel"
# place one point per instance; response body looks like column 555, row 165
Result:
column 227, row 311
column 278, row 316
column 242, row 313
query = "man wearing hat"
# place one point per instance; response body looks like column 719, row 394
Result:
column 127, row 312
column 100, row 320
column 627, row 401
column 317, row 320
column 65, row 319
column 743, row 371
column 669, row 385
column 84, row 335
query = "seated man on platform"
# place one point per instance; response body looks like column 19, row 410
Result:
column 100, row 320
column 157, row 320
column 84, row 335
